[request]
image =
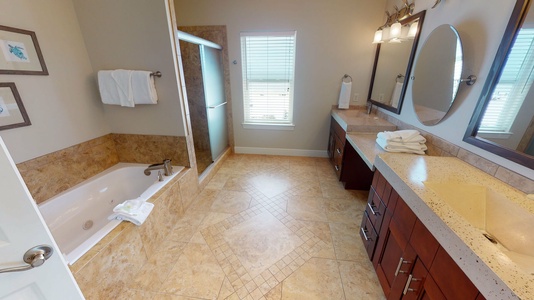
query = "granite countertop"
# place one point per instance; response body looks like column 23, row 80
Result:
column 355, row 120
column 494, row 274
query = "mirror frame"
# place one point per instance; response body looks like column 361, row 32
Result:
column 516, row 20
column 421, row 16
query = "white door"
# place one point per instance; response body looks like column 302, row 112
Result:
column 22, row 228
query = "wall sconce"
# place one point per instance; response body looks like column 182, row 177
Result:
column 392, row 30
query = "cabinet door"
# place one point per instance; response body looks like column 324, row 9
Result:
column 451, row 280
column 431, row 290
column 391, row 262
column 331, row 145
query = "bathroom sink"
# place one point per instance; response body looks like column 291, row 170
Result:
column 359, row 121
column 500, row 220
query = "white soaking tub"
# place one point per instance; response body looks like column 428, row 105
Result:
column 78, row 217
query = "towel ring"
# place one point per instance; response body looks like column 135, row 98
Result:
column 345, row 77
column 401, row 77
column 156, row 74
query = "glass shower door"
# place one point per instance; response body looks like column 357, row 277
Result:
column 213, row 78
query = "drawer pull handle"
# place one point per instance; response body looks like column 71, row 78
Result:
column 372, row 208
column 401, row 261
column 408, row 283
column 338, row 151
column 364, row 232
column 336, row 167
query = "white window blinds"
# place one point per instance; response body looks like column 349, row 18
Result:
column 268, row 60
column 514, row 84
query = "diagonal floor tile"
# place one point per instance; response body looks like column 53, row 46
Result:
column 231, row 202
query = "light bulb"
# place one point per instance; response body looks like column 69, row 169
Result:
column 385, row 34
column 378, row 37
column 413, row 30
column 395, row 30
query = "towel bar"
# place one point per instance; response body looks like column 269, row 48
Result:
column 156, row 74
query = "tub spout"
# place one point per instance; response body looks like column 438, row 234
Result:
column 165, row 166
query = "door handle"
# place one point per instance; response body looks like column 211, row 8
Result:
column 35, row 257
column 212, row 107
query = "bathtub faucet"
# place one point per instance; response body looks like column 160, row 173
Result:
column 165, row 166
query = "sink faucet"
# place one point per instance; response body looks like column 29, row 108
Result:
column 165, row 166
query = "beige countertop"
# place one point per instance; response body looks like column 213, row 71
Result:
column 494, row 274
column 355, row 120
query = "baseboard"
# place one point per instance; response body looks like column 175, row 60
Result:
column 280, row 151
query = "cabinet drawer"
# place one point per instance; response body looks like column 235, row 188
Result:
column 368, row 234
column 375, row 209
column 336, row 128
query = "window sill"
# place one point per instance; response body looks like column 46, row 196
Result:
column 268, row 126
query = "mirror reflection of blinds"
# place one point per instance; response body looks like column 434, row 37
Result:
column 268, row 61
column 514, row 85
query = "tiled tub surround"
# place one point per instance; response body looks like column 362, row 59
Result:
column 51, row 174
column 103, row 272
column 496, row 276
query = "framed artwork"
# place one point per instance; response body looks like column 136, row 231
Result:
column 12, row 111
column 20, row 52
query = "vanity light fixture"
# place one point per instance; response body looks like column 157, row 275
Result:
column 392, row 29
column 412, row 32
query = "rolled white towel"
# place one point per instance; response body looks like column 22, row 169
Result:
column 402, row 136
column 405, row 149
column 135, row 211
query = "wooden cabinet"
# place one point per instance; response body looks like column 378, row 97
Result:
column 349, row 166
column 408, row 260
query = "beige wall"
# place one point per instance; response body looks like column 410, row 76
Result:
column 63, row 106
column 480, row 37
column 333, row 38
column 134, row 34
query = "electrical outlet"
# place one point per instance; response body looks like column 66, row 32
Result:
column 355, row 97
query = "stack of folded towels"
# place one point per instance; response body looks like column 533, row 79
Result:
column 135, row 211
column 408, row 141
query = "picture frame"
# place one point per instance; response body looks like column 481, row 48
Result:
column 20, row 53
column 12, row 111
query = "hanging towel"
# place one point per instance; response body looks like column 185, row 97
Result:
column 135, row 211
column 108, row 89
column 395, row 97
column 344, row 95
column 144, row 90
column 116, row 87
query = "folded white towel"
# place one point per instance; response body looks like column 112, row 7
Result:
column 344, row 95
column 405, row 149
column 402, row 136
column 135, row 211
column 143, row 88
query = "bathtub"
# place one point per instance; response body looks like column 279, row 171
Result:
column 78, row 217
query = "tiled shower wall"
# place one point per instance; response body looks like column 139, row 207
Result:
column 440, row 147
column 51, row 174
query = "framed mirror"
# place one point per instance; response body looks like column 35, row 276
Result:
column 437, row 74
column 503, row 121
column 392, row 66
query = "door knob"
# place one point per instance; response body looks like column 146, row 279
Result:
column 35, row 257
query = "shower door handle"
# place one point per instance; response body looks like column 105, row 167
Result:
column 212, row 107
column 35, row 257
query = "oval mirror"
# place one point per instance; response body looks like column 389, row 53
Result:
column 503, row 121
column 436, row 79
column 393, row 64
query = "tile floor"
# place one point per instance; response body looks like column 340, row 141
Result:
column 265, row 227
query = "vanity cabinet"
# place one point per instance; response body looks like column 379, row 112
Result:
column 348, row 164
column 408, row 260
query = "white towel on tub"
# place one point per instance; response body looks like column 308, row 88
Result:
column 135, row 211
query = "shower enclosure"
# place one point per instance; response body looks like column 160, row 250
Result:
column 204, row 83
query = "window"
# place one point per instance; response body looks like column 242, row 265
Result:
column 268, row 77
column 514, row 84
